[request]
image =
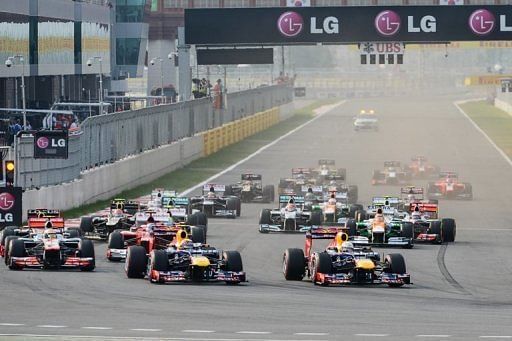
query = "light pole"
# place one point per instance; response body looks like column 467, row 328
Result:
column 153, row 61
column 10, row 62
column 90, row 108
column 90, row 62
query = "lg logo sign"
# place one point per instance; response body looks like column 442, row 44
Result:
column 388, row 23
column 44, row 142
column 290, row 24
column 7, row 201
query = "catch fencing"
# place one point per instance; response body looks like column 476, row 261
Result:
column 108, row 138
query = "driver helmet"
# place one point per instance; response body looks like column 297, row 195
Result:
column 347, row 247
column 332, row 201
column 411, row 197
column 48, row 224
column 186, row 244
column 310, row 190
column 50, row 233
column 291, row 204
column 211, row 195
column 416, row 215
column 379, row 218
column 118, row 212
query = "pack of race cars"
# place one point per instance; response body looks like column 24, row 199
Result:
column 164, row 239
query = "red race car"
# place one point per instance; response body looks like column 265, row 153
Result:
column 449, row 187
column 155, row 234
column 420, row 168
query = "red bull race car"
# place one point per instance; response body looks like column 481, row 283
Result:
column 343, row 263
column 185, row 260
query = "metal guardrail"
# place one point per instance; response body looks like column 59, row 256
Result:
column 112, row 137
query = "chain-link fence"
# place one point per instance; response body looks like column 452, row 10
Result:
column 108, row 138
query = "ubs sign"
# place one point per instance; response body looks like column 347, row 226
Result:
column 51, row 144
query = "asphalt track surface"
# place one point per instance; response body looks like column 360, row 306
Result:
column 461, row 291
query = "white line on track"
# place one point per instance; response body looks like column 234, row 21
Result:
column 433, row 335
column 197, row 331
column 372, row 335
column 259, row 151
column 496, row 337
column 144, row 338
column 253, row 332
column 146, row 330
column 98, row 328
column 11, row 324
column 50, row 326
column 498, row 149
column 311, row 334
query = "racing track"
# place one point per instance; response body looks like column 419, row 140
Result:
column 461, row 291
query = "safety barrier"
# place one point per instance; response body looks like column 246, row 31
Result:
column 233, row 132
column 113, row 137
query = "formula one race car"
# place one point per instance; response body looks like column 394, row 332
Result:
column 327, row 171
column 215, row 203
column 290, row 216
column 424, row 221
column 392, row 174
column 152, row 231
column 449, row 187
column 385, row 228
column 185, row 260
column 343, row 263
column 366, row 120
column 251, row 189
column 119, row 217
column 420, row 168
column 48, row 246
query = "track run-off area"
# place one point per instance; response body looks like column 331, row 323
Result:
column 461, row 291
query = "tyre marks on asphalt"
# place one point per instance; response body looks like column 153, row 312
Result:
column 446, row 274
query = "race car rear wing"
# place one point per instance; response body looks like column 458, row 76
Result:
column 43, row 213
column 142, row 217
column 175, row 201
column 315, row 189
column 283, row 199
column 321, row 232
column 412, row 190
column 127, row 206
column 451, row 175
column 425, row 208
column 392, row 164
column 40, row 223
column 326, row 162
column 297, row 171
column 251, row 177
column 215, row 187
column 385, row 201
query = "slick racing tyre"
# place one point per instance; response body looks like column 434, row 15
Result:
column 395, row 264
column 316, row 218
column 136, row 262
column 16, row 249
column 294, row 267
column 233, row 261
column 269, row 193
column 7, row 246
column 407, row 230
column 265, row 217
column 86, row 249
column 115, row 241
column 8, row 231
column 351, row 226
column 86, row 224
column 449, row 230
column 436, row 228
column 158, row 262
column 198, row 234
column 322, row 263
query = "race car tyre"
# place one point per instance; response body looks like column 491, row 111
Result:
column 449, row 230
column 360, row 216
column 353, row 194
column 232, row 205
column 407, row 230
column 432, row 188
column 351, row 227
column 322, row 264
column 343, row 173
column 316, row 218
column 353, row 210
column 159, row 261
column 136, row 262
column 265, row 217
column 198, row 234
column 115, row 240
column 7, row 245
column 87, row 251
column 86, row 224
column 395, row 263
column 228, row 190
column 198, row 218
column 435, row 228
column 269, row 193
column 294, row 267
column 8, row 231
column 74, row 233
column 16, row 249
column 233, row 261
column 238, row 207
column 468, row 190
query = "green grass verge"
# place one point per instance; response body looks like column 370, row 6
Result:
column 496, row 123
column 201, row 169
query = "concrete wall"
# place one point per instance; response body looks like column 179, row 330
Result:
column 104, row 182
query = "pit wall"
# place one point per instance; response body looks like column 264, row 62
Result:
column 104, row 182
